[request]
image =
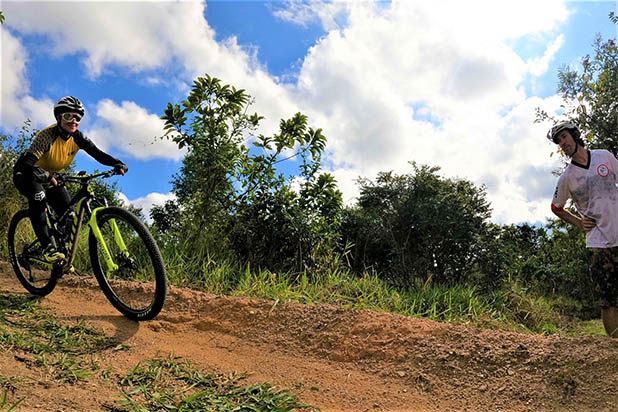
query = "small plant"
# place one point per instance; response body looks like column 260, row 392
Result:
column 173, row 384
column 40, row 340
column 4, row 403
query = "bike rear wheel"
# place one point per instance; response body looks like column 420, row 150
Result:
column 137, row 286
column 24, row 246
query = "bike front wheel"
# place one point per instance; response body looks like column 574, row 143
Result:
column 127, row 264
column 24, row 251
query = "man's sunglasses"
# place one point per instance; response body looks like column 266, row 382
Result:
column 67, row 117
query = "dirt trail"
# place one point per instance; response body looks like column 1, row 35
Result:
column 338, row 359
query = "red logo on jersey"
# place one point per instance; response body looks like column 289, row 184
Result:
column 603, row 170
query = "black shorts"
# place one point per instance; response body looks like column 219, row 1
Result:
column 604, row 270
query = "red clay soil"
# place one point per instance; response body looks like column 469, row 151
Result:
column 334, row 358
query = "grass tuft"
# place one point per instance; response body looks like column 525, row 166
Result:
column 173, row 384
column 39, row 340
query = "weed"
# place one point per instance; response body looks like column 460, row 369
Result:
column 172, row 384
column 27, row 329
column 4, row 402
column 509, row 308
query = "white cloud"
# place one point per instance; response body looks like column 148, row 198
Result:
column 135, row 34
column 148, row 37
column 433, row 82
column 147, row 202
column 13, row 76
column 327, row 13
column 539, row 65
column 131, row 129
column 15, row 104
column 440, row 86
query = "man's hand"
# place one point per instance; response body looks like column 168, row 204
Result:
column 588, row 224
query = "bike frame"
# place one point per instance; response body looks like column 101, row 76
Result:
column 81, row 202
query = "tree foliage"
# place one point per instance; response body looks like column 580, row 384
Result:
column 232, row 193
column 417, row 225
column 10, row 149
column 590, row 95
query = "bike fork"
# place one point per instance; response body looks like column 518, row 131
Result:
column 109, row 260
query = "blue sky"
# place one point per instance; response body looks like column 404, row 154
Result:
column 446, row 83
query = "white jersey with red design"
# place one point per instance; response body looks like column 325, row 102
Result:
column 593, row 190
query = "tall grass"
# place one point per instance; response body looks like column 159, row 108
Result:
column 332, row 284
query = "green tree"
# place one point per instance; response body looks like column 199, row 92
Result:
column 10, row 149
column 167, row 217
column 566, row 259
column 211, row 124
column 418, row 225
column 515, row 253
column 590, row 95
column 232, row 193
column 275, row 226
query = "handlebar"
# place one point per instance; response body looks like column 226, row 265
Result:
column 82, row 177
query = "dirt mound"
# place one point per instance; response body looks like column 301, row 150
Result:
column 344, row 359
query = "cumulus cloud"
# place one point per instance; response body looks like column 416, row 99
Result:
column 147, row 202
column 134, row 34
column 389, row 83
column 15, row 103
column 410, row 82
column 131, row 129
column 539, row 65
column 150, row 37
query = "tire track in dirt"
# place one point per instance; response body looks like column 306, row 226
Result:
column 351, row 360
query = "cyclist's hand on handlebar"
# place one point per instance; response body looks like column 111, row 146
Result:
column 121, row 168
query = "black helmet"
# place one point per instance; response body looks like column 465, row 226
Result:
column 564, row 125
column 69, row 104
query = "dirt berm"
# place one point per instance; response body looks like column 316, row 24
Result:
column 335, row 358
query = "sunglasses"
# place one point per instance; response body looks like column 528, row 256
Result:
column 67, row 117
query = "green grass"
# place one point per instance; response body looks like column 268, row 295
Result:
column 40, row 340
column 335, row 285
column 174, row 385
column 71, row 354
column 26, row 327
column 339, row 286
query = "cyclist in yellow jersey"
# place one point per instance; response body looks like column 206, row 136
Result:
column 52, row 150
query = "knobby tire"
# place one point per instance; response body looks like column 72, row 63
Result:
column 137, row 301
column 37, row 281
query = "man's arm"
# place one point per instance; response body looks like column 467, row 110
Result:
column 584, row 223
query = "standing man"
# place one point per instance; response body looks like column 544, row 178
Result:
column 590, row 180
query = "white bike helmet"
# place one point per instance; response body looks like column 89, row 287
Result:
column 560, row 126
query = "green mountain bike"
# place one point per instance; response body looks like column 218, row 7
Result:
column 125, row 258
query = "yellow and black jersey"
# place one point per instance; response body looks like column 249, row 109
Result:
column 53, row 150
